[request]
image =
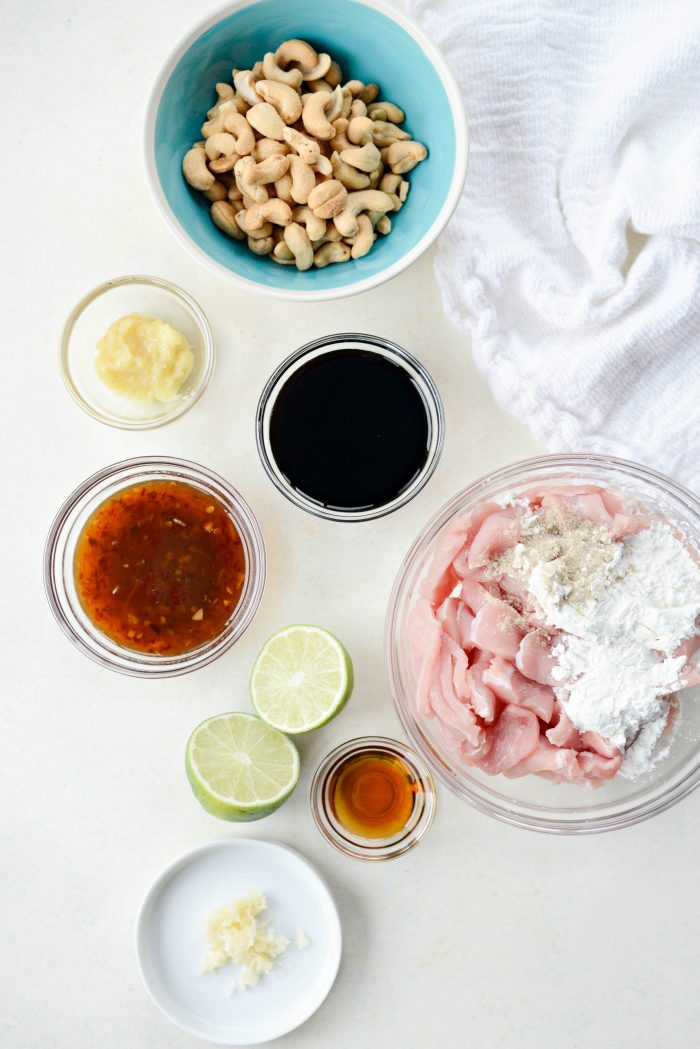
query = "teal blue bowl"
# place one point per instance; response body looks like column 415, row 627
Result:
column 372, row 43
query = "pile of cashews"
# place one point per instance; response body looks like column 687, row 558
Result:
column 304, row 168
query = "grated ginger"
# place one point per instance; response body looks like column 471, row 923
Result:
column 143, row 358
column 235, row 935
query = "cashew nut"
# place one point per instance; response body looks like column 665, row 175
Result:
column 364, row 239
column 217, row 191
column 273, row 210
column 360, row 130
column 358, row 108
column 283, row 188
column 354, row 87
column 220, row 145
column 334, row 74
column 282, row 252
column 390, row 183
column 303, row 179
column 369, row 93
column 224, row 217
column 318, row 112
column 323, row 167
column 351, row 177
column 298, row 242
column 265, row 119
column 318, row 85
column 315, row 226
column 216, row 124
column 365, row 200
column 340, row 141
column 245, row 86
column 308, row 150
column 261, row 247
column 318, row 70
column 383, row 225
column 385, row 133
column 224, row 92
column 331, row 236
column 334, row 109
column 245, row 172
column 195, row 170
column 329, row 253
column 375, row 176
column 328, row 199
column 265, row 147
column 283, row 97
column 271, row 169
column 254, row 234
column 403, row 156
column 366, row 158
column 386, row 111
column 273, row 71
column 223, row 164
column 296, row 50
column 237, row 125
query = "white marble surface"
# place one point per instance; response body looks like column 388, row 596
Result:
column 485, row 936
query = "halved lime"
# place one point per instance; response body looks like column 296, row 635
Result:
column 240, row 768
column 301, row 679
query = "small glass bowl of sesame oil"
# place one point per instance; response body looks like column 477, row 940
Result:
column 373, row 798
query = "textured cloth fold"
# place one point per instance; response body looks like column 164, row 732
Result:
column 574, row 255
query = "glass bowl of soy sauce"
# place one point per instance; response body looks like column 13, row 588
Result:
column 350, row 427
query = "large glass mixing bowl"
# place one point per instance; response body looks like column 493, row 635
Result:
column 533, row 802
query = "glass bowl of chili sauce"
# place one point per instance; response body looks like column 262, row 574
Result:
column 154, row 567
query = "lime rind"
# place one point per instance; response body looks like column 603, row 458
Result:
column 301, row 679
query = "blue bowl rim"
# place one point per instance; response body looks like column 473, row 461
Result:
column 449, row 205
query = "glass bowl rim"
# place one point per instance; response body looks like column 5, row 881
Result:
column 333, row 343
column 637, row 811
column 208, row 351
column 341, row 753
column 203, row 655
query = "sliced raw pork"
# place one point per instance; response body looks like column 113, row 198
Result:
column 483, row 662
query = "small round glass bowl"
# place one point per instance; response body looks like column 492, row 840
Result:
column 330, row 344
column 60, row 551
column 90, row 319
column 361, row 848
column 533, row 802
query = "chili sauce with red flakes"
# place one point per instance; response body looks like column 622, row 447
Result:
column 159, row 567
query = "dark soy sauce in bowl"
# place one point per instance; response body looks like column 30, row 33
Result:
column 349, row 426
column 350, row 430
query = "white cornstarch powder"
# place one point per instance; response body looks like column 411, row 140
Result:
column 625, row 607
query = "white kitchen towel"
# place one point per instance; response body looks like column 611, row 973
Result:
column 574, row 256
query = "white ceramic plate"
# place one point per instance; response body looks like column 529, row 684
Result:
column 171, row 944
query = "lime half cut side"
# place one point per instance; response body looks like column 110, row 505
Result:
column 301, row 679
column 239, row 767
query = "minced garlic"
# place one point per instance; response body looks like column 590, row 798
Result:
column 143, row 358
column 235, row 935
